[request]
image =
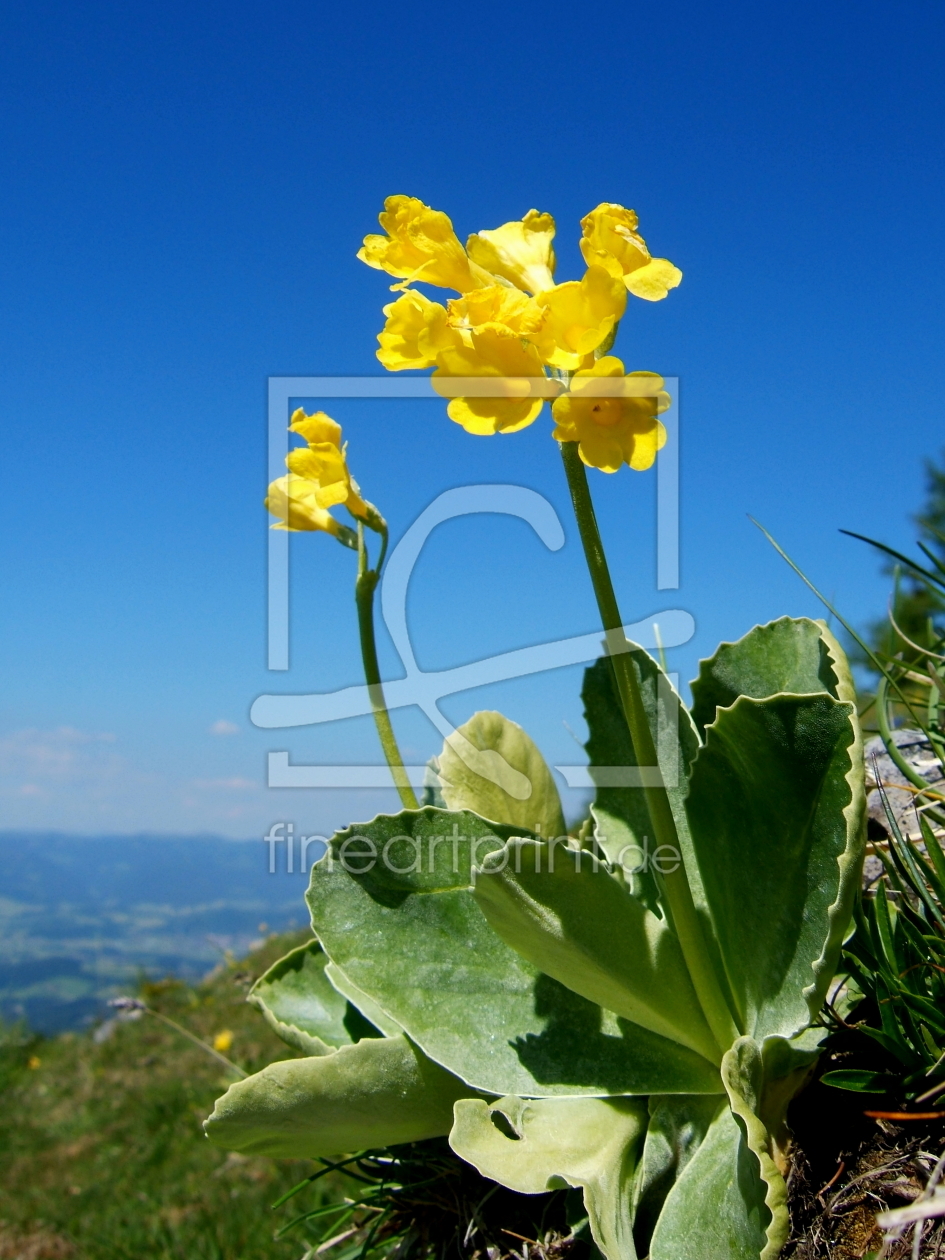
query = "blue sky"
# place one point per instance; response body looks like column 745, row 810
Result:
column 183, row 192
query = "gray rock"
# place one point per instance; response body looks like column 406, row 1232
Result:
column 881, row 769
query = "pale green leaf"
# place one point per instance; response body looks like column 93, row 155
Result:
column 562, row 911
column 376, row 1093
column 622, row 821
column 787, row 1066
column 677, row 1126
column 368, row 1008
column 303, row 1008
column 405, row 929
column 743, row 1073
column 474, row 771
column 532, row 1146
column 775, row 812
column 716, row 1209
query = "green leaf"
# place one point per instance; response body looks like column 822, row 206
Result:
column 861, row 1081
column 729, row 1201
column 405, row 929
column 744, row 1076
column 715, row 1210
column 474, row 770
column 367, row 1007
column 376, row 1093
column 797, row 656
column 301, row 1006
column 622, row 821
column 532, row 1146
column 676, row 1129
column 565, row 913
column 776, row 809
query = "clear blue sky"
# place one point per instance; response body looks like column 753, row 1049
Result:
column 183, row 191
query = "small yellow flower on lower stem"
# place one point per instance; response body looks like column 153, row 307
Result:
column 415, row 332
column 420, row 246
column 323, row 462
column 520, row 251
column 494, row 352
column 222, row 1041
column 318, row 480
column 611, row 240
column 318, row 427
column 294, row 501
column 613, row 416
column 581, row 315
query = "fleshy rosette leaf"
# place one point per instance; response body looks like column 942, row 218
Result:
column 302, row 1006
column 378, row 1092
column 546, row 1143
column 393, row 906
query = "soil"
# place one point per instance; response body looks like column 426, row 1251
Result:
column 848, row 1166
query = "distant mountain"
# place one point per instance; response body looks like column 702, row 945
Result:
column 81, row 917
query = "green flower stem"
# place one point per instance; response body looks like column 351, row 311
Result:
column 179, row 1028
column 895, row 756
column 676, row 885
column 364, row 589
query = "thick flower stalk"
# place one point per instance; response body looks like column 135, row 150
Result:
column 515, row 338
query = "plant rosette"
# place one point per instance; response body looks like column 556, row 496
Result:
column 591, row 1011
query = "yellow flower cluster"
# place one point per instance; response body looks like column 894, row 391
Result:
column 513, row 337
column 318, row 479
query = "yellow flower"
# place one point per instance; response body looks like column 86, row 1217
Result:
column 293, row 501
column 613, row 416
column 497, row 304
column 520, row 251
column 415, row 332
column 610, row 239
column 582, row 315
column 323, row 462
column 222, row 1041
column 494, row 351
column 420, row 246
column 318, row 479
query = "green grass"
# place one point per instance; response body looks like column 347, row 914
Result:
column 102, row 1154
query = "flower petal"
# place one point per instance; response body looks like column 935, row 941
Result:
column 521, row 251
column 653, row 281
column 497, row 353
column 420, row 245
column 612, row 416
column 415, row 332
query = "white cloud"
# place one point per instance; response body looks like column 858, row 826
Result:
column 223, row 727
column 56, row 756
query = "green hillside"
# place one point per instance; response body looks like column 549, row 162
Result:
column 101, row 1150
